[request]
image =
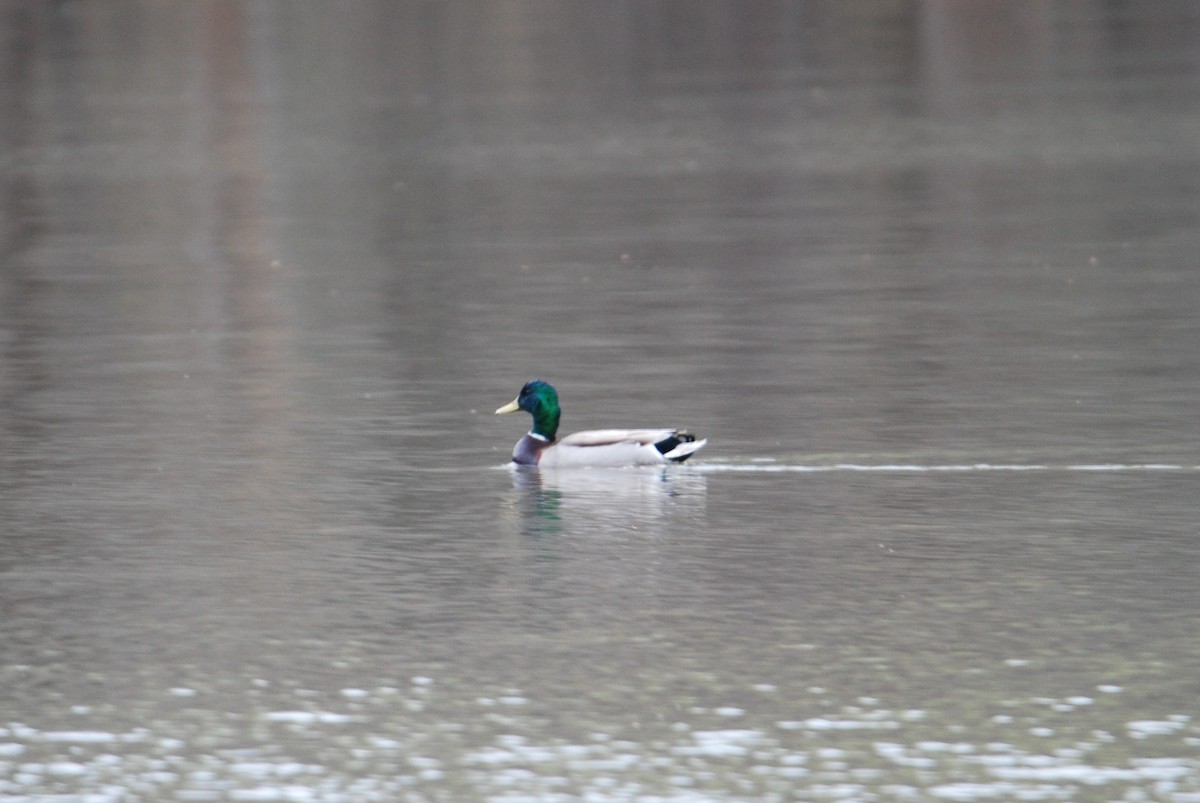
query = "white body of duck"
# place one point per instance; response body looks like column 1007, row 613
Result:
column 612, row 448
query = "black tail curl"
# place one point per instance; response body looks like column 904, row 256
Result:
column 667, row 444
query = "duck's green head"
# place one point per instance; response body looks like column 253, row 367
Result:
column 540, row 400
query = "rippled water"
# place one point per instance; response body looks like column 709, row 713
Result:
column 924, row 274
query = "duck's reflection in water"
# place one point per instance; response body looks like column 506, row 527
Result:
column 597, row 501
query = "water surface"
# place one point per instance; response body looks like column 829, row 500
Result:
column 923, row 273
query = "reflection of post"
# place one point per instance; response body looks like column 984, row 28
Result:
column 984, row 70
column 238, row 222
column 246, row 291
column 16, row 116
column 965, row 44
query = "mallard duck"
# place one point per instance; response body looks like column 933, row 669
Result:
column 597, row 447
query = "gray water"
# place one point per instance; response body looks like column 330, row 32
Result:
column 924, row 273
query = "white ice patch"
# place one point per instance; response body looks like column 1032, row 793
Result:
column 720, row 743
column 1088, row 775
column 79, row 737
column 974, row 791
column 828, row 724
column 308, row 717
column 1141, row 729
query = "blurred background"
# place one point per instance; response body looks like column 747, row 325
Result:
column 923, row 272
